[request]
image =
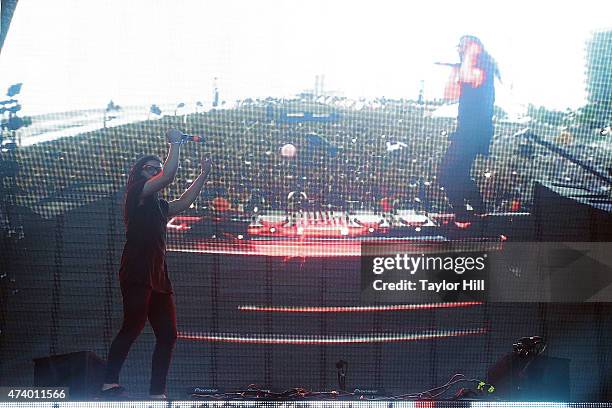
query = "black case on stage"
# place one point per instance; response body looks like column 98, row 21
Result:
column 82, row 372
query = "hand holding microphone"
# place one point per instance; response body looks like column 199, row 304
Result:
column 192, row 138
column 175, row 136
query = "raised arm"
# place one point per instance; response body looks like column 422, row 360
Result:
column 190, row 195
column 166, row 176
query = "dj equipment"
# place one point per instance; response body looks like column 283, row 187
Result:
column 529, row 346
column 339, row 224
column 526, row 375
column 334, row 233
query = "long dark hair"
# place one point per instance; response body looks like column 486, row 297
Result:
column 486, row 61
column 135, row 183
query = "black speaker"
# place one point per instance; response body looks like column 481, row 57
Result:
column 82, row 372
column 571, row 214
column 540, row 378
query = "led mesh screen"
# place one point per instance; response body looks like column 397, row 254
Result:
column 329, row 126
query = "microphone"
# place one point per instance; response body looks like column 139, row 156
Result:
column 526, row 133
column 448, row 64
column 342, row 367
column 192, row 138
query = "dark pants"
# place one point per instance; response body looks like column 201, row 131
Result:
column 454, row 175
column 139, row 304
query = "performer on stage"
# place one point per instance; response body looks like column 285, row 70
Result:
column 143, row 275
column 472, row 82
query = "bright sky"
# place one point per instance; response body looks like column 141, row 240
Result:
column 75, row 54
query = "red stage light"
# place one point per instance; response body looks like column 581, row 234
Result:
column 319, row 340
column 355, row 309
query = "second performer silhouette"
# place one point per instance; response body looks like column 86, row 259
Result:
column 472, row 82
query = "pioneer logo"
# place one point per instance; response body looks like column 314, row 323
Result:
column 367, row 391
column 257, row 390
column 205, row 390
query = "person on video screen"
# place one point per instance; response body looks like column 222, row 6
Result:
column 143, row 274
column 472, row 83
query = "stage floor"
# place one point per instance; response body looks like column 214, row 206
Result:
column 303, row 404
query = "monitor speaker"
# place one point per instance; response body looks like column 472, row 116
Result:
column 82, row 372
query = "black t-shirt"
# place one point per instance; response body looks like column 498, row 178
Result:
column 144, row 255
column 475, row 119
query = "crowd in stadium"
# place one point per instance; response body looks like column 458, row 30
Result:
column 375, row 150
